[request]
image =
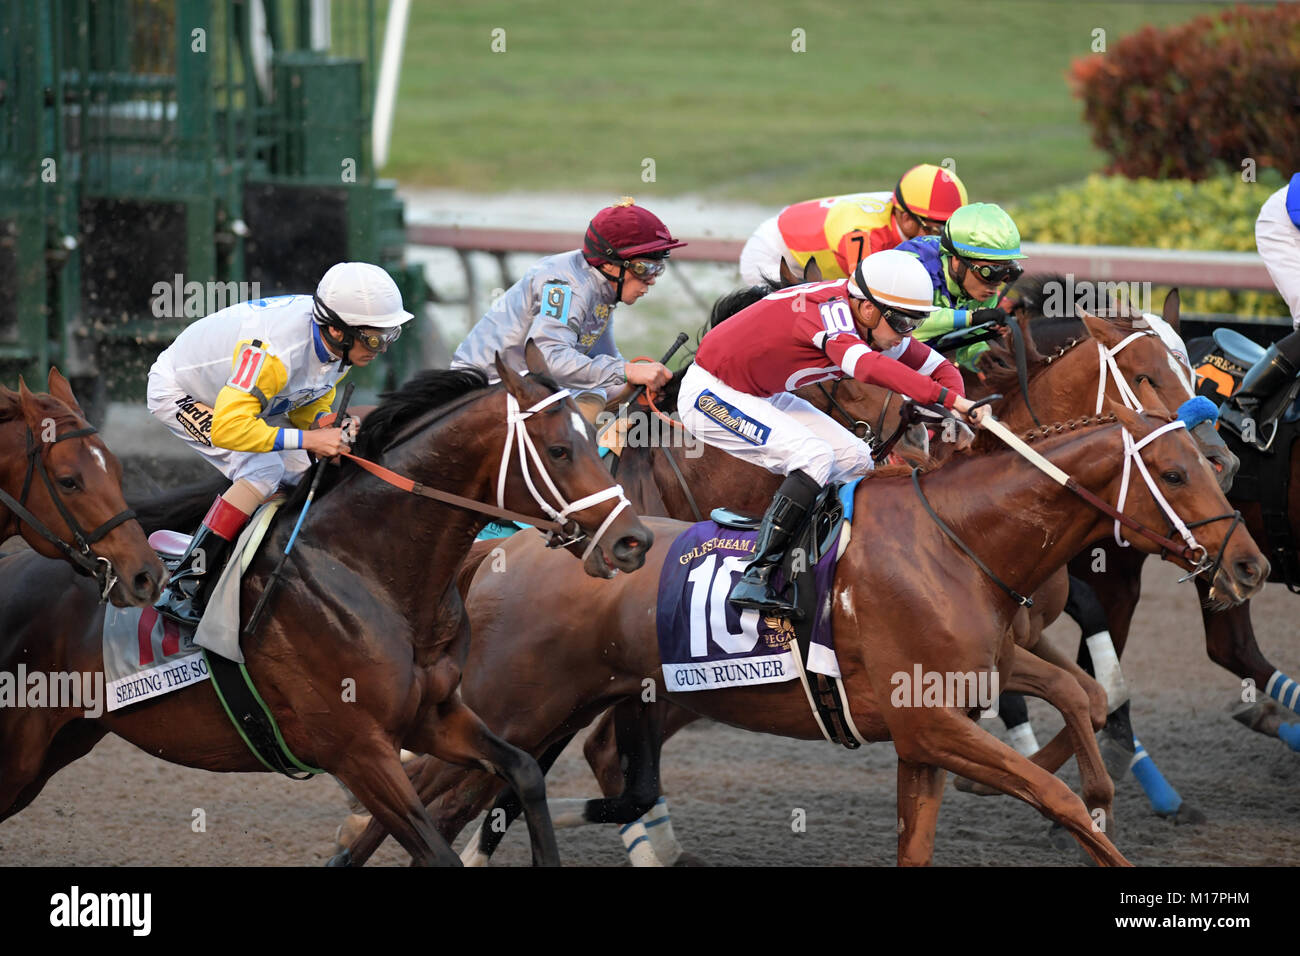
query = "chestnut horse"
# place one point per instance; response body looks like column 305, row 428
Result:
column 56, row 468
column 370, row 603
column 569, row 670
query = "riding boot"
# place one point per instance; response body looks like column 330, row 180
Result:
column 789, row 506
column 1265, row 391
column 187, row 589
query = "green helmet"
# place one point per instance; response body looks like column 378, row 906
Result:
column 982, row 231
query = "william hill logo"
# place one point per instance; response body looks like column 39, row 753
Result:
column 732, row 420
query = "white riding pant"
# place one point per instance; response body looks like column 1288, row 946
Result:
column 783, row 433
column 265, row 471
column 760, row 259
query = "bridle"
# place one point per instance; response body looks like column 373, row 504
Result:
column 560, row 529
column 81, row 556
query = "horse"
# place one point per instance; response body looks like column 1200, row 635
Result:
column 362, row 649
column 58, row 479
column 575, row 670
column 1073, row 372
column 1229, row 637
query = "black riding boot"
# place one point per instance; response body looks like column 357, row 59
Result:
column 187, row 590
column 1264, row 394
column 789, row 506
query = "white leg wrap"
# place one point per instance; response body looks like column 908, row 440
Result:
column 1105, row 664
column 472, row 855
column 639, row 849
column 1023, row 739
column 658, row 824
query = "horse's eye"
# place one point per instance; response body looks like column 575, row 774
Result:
column 68, row 483
column 558, row 452
column 1172, row 477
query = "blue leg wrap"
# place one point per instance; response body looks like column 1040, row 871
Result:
column 1291, row 734
column 1164, row 799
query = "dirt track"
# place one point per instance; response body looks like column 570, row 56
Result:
column 732, row 793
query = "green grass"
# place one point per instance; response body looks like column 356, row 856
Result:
column 713, row 93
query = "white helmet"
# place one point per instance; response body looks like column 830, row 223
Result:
column 891, row 279
column 363, row 295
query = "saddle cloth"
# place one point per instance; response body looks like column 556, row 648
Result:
column 147, row 655
column 705, row 643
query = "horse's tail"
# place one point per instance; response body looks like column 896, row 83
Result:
column 180, row 509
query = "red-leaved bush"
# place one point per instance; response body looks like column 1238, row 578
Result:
column 1222, row 88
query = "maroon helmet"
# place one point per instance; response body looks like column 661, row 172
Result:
column 626, row 231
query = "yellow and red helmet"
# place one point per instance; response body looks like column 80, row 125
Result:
column 930, row 192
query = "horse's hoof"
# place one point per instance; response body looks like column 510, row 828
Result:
column 690, row 859
column 342, row 858
column 1061, row 839
column 350, row 830
column 966, row 785
column 1187, row 815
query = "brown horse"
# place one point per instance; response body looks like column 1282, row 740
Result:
column 54, row 466
column 362, row 649
column 1017, row 515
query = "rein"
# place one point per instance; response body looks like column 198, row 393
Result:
column 81, row 557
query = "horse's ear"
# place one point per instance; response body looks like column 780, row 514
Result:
column 1150, row 400
column 1032, row 355
column 1127, row 417
column 534, row 360
column 58, row 387
column 1101, row 330
column 812, row 272
column 788, row 278
column 513, row 382
column 32, row 413
column 1173, row 304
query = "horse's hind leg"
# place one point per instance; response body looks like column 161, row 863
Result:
column 503, row 812
column 376, row 777
column 457, row 735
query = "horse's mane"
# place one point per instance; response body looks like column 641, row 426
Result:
column 986, row 441
column 11, row 408
column 10, row 405
column 425, row 392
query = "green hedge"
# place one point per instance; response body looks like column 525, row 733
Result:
column 1215, row 214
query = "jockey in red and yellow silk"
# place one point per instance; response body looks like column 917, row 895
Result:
column 839, row 231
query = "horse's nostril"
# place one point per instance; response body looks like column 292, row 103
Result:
column 1248, row 571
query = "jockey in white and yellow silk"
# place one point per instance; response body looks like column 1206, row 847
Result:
column 839, row 231
column 246, row 388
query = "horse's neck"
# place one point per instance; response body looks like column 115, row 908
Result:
column 1065, row 389
column 13, row 469
column 1021, row 523
column 716, row 479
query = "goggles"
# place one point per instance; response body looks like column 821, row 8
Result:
column 904, row 323
column 1002, row 272
column 377, row 340
column 647, row 268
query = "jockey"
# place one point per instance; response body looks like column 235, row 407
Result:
column 736, row 396
column 968, row 264
column 256, row 416
column 565, row 304
column 839, row 231
column 1277, row 237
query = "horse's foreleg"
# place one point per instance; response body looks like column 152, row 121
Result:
column 69, row 743
column 458, row 736
column 375, row 775
column 920, row 792
column 953, row 741
column 1041, row 678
